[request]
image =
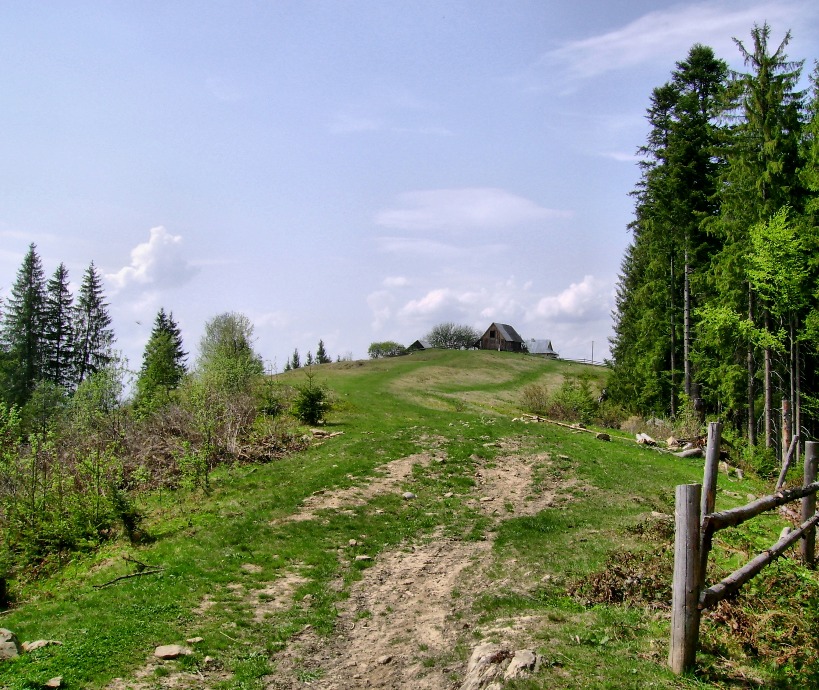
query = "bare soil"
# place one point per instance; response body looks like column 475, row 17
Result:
column 409, row 622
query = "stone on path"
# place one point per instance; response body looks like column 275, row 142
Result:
column 38, row 644
column 522, row 663
column 171, row 651
column 9, row 646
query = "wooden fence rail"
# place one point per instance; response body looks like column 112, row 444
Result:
column 695, row 525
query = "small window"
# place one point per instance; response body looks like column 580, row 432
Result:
column 491, row 334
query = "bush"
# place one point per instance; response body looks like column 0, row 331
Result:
column 311, row 402
column 535, row 399
column 574, row 402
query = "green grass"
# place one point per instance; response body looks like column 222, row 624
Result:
column 460, row 404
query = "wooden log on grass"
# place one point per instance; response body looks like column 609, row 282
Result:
column 685, row 613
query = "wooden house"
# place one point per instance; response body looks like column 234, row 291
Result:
column 501, row 336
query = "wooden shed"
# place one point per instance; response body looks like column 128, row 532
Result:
column 541, row 348
column 420, row 344
column 501, row 336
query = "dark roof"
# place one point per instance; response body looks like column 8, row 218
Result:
column 421, row 344
column 510, row 335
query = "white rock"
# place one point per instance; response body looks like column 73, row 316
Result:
column 9, row 646
column 522, row 663
column 38, row 644
column 171, row 651
column 408, row 495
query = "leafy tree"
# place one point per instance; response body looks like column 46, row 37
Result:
column 163, row 361
column 93, row 335
column 295, row 360
column 21, row 333
column 321, row 354
column 226, row 355
column 58, row 331
column 387, row 348
column 453, row 336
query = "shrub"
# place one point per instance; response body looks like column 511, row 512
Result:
column 535, row 399
column 311, row 402
column 573, row 402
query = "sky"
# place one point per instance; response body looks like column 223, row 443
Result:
column 353, row 171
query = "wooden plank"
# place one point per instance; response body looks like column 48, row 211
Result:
column 685, row 613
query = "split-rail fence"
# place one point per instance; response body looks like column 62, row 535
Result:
column 695, row 525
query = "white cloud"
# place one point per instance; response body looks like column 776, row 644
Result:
column 433, row 302
column 669, row 33
column 481, row 208
column 395, row 281
column 380, row 304
column 155, row 264
column 591, row 298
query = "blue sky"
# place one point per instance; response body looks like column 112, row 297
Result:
column 351, row 171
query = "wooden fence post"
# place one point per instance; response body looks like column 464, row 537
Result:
column 709, row 479
column 685, row 613
column 809, row 504
column 709, row 490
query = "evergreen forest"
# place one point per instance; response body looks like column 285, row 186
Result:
column 717, row 305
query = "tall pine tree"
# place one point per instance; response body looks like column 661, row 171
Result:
column 58, row 331
column 760, row 178
column 93, row 336
column 21, row 333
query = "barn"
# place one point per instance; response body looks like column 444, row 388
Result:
column 502, row 337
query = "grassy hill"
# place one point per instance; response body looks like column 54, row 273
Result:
column 427, row 519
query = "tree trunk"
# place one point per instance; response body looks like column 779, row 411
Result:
column 673, row 344
column 750, row 368
column 687, row 327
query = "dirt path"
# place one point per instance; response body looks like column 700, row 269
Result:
column 409, row 621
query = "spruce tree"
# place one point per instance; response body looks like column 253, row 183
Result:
column 59, row 330
column 760, row 178
column 93, row 336
column 321, row 354
column 21, row 333
column 163, row 362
